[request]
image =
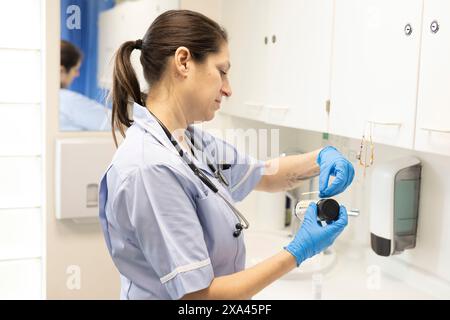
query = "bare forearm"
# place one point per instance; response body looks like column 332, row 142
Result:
column 286, row 173
column 245, row 284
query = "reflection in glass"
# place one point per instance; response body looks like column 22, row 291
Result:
column 77, row 112
column 82, row 102
column 92, row 31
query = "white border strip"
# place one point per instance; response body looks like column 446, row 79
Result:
column 186, row 268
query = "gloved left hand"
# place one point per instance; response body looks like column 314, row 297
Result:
column 333, row 163
column 312, row 237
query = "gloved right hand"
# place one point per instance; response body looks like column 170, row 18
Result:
column 333, row 163
column 313, row 238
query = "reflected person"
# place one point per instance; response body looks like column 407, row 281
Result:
column 76, row 111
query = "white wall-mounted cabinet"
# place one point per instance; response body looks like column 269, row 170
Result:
column 280, row 52
column 433, row 108
column 375, row 68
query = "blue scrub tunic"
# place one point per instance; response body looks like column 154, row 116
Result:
column 167, row 233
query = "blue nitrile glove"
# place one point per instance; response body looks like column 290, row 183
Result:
column 333, row 163
column 313, row 238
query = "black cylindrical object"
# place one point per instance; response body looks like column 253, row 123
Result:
column 327, row 210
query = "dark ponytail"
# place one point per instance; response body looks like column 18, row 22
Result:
column 70, row 55
column 125, row 88
column 170, row 30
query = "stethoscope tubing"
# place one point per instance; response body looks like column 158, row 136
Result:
column 217, row 173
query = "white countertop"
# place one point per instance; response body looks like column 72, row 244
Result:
column 355, row 275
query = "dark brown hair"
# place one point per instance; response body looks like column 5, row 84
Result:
column 70, row 55
column 171, row 30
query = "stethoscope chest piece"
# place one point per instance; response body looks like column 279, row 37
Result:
column 238, row 231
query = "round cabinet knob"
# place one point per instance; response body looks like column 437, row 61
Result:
column 266, row 40
column 274, row 38
column 408, row 29
column 434, row 27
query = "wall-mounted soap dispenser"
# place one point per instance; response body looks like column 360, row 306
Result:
column 394, row 205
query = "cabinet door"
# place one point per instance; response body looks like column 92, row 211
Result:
column 433, row 113
column 299, row 63
column 246, row 23
column 375, row 69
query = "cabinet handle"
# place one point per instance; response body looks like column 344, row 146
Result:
column 281, row 108
column 408, row 29
column 328, row 106
column 391, row 124
column 434, row 27
column 254, row 107
column 253, row 104
column 435, row 130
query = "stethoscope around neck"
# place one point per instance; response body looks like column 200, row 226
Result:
column 243, row 222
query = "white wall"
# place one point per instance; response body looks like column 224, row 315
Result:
column 210, row 8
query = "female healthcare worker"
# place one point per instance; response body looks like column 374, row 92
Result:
column 76, row 111
column 166, row 204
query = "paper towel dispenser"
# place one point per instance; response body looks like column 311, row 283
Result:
column 394, row 205
column 80, row 164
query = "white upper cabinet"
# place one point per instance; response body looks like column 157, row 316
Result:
column 375, row 69
column 299, row 63
column 433, row 113
column 246, row 23
column 280, row 55
column 382, row 64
